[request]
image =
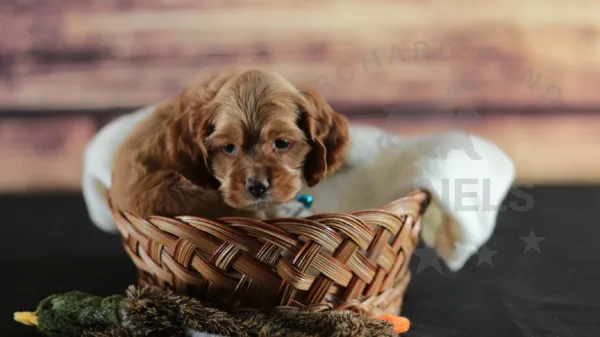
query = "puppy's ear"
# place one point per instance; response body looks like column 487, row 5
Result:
column 327, row 133
column 186, row 142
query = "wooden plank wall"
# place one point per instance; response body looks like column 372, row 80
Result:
column 526, row 58
column 70, row 53
column 46, row 153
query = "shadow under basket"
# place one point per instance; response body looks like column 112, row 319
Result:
column 342, row 261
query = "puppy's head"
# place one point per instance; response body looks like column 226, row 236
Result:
column 257, row 138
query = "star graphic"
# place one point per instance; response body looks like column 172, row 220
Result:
column 484, row 255
column 532, row 241
column 428, row 258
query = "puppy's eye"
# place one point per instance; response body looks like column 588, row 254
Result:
column 281, row 144
column 229, row 148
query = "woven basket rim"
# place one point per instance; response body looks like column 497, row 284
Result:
column 359, row 259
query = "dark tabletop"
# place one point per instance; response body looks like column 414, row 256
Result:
column 48, row 245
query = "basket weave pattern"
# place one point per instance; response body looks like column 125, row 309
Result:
column 356, row 261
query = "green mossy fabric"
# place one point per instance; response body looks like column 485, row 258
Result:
column 154, row 312
column 70, row 314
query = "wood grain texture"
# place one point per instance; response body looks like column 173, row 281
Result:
column 67, row 53
column 558, row 149
column 43, row 153
column 46, row 154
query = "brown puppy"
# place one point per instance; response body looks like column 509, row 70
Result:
column 233, row 143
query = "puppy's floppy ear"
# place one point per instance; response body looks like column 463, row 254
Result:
column 188, row 155
column 326, row 131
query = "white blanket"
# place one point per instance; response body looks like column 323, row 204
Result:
column 467, row 177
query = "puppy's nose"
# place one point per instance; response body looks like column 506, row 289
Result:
column 257, row 187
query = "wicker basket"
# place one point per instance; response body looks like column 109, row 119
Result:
column 355, row 261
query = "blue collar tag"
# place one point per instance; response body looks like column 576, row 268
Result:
column 305, row 199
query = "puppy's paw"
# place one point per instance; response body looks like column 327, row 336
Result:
column 292, row 209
